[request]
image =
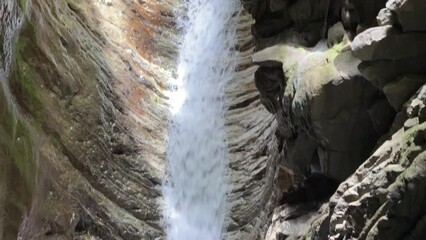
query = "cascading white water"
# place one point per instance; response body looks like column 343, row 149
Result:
column 195, row 191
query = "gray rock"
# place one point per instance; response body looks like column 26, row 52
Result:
column 386, row 43
column 382, row 115
column 317, row 103
column 384, row 198
column 335, row 35
column 411, row 122
column 386, row 17
column 410, row 14
column 359, row 15
column 400, row 91
column 277, row 5
column 383, row 71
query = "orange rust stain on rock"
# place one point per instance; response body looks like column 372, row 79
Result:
column 145, row 25
column 134, row 99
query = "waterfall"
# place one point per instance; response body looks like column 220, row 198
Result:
column 19, row 153
column 195, row 189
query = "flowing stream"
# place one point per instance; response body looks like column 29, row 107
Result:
column 196, row 187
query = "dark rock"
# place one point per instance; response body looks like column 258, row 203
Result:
column 382, row 115
column 387, row 43
column 301, row 154
column 335, row 35
column 310, row 33
column 384, row 198
column 270, row 83
column 272, row 25
column 315, row 188
column 410, row 14
column 359, row 15
column 399, row 91
column 303, row 11
column 382, row 72
column 386, row 17
column 277, row 5
column 336, row 115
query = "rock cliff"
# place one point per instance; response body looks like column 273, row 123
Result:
column 84, row 89
column 344, row 80
column 87, row 79
column 325, row 119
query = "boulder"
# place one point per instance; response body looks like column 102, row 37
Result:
column 382, row 115
column 304, row 11
column 386, row 17
column 410, row 14
column 270, row 83
column 359, row 15
column 399, row 91
column 277, row 5
column 384, row 198
column 318, row 105
column 383, row 71
column 386, row 43
column 335, row 35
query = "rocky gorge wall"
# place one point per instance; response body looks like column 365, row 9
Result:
column 90, row 81
column 326, row 92
column 344, row 80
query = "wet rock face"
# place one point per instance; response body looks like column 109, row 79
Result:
column 306, row 88
column 321, row 126
column 90, row 78
column 392, row 53
column 306, row 109
column 387, row 204
column 347, row 73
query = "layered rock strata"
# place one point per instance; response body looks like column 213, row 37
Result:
column 90, row 76
column 325, row 93
column 338, row 94
column 253, row 159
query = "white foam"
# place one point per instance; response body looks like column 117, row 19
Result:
column 195, row 191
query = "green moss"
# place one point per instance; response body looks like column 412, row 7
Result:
column 24, row 75
column 22, row 81
column 22, row 153
column 56, row 142
column 23, row 4
column 17, row 165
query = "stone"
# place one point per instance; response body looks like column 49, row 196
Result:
column 99, row 128
column 400, row 91
column 410, row 14
column 300, row 155
column 381, row 72
column 271, row 26
column 97, row 121
column 316, row 93
column 411, row 122
column 382, row 115
column 270, row 83
column 359, row 15
column 278, row 5
column 327, row 98
column 383, row 186
column 291, row 222
column 256, row 179
column 336, row 34
column 303, row 11
column 386, row 43
column 386, row 17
